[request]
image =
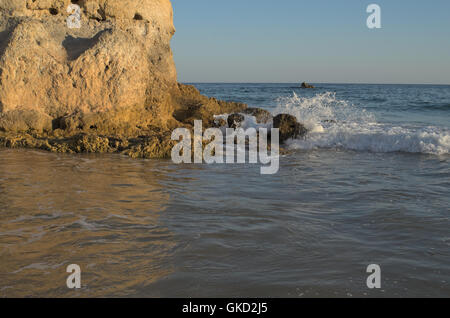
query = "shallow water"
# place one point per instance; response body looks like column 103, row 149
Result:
column 151, row 228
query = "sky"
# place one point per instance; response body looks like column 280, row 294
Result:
column 318, row 41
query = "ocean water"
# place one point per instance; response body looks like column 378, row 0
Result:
column 370, row 184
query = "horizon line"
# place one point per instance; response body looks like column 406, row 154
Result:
column 334, row 83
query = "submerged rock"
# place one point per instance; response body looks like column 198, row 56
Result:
column 289, row 127
column 306, row 85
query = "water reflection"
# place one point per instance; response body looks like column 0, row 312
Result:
column 101, row 213
column 151, row 228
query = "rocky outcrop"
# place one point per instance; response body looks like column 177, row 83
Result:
column 289, row 127
column 111, row 47
column 111, row 82
column 108, row 86
column 119, row 58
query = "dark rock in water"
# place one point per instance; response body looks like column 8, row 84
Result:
column 235, row 120
column 219, row 123
column 262, row 116
column 289, row 127
column 329, row 121
column 306, row 85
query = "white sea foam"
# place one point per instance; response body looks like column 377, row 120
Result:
column 335, row 123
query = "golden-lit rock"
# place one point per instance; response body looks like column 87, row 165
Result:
column 113, row 78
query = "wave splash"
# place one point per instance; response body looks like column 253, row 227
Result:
column 335, row 123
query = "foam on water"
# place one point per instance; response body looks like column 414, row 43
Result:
column 335, row 123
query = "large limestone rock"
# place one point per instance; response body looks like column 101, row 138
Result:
column 108, row 86
column 119, row 58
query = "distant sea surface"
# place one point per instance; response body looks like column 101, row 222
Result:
column 370, row 184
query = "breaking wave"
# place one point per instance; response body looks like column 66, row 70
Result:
column 335, row 123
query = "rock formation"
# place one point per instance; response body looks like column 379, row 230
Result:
column 108, row 86
column 113, row 61
column 306, row 85
column 289, row 127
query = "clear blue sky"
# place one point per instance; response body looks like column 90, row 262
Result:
column 313, row 40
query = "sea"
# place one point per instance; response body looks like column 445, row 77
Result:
column 368, row 185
